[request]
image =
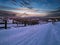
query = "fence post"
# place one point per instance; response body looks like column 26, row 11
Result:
column 5, row 24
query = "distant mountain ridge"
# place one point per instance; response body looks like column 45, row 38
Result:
column 7, row 13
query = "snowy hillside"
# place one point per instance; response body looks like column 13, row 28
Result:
column 42, row 34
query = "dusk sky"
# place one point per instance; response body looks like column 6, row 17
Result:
column 37, row 5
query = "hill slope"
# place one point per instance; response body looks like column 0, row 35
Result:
column 45, row 34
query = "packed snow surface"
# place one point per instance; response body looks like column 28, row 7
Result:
column 41, row 34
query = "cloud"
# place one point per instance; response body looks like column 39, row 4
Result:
column 43, row 0
column 29, row 12
column 26, row 9
column 6, row 8
column 54, row 13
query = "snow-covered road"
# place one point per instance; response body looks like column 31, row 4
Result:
column 45, row 34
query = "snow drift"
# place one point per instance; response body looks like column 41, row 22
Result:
column 42, row 34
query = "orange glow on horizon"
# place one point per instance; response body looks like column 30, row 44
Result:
column 25, row 12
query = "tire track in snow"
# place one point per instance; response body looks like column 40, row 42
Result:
column 29, row 38
column 12, row 37
column 35, row 39
column 25, row 37
column 56, row 33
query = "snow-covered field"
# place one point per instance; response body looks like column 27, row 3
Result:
column 42, row 34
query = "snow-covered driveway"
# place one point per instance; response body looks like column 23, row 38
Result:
column 45, row 34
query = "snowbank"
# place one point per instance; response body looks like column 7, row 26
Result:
column 45, row 34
